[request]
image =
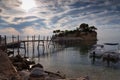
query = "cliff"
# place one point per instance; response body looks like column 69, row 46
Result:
column 91, row 36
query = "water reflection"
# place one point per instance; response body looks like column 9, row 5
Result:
column 73, row 60
column 83, row 46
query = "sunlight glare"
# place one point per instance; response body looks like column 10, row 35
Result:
column 28, row 5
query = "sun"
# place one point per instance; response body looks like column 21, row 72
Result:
column 27, row 5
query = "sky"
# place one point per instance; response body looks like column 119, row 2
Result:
column 41, row 17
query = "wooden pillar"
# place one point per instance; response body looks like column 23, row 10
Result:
column 24, row 49
column 108, row 60
column 93, row 59
column 18, row 45
column 0, row 39
column 43, row 44
column 47, row 43
column 5, row 44
column 13, row 44
column 33, row 46
column 38, row 46
column 38, row 40
column 28, row 46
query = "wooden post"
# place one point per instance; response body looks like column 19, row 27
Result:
column 93, row 59
column 38, row 46
column 13, row 44
column 38, row 40
column 33, row 45
column 108, row 60
column 24, row 49
column 0, row 39
column 18, row 46
column 5, row 44
column 53, row 43
column 28, row 46
column 43, row 44
column 47, row 42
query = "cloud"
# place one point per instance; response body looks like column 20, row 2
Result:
column 9, row 31
column 35, row 31
column 58, row 14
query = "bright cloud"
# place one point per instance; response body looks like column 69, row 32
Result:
column 34, row 31
column 9, row 31
column 48, row 15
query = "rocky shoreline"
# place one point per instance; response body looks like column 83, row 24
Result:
column 18, row 68
column 7, row 70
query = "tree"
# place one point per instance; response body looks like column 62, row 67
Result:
column 84, row 27
column 92, row 28
column 56, row 32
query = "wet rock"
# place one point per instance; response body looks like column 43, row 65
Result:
column 21, row 63
column 10, row 53
column 37, row 73
column 37, row 65
column 111, row 57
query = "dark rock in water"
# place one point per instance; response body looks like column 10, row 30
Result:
column 10, row 53
column 37, row 72
column 18, row 58
column 37, row 65
column 112, row 57
column 21, row 63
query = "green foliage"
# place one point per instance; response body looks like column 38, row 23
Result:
column 92, row 28
column 82, row 28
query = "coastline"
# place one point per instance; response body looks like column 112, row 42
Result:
column 9, row 72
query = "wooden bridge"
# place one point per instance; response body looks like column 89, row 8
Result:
column 15, row 44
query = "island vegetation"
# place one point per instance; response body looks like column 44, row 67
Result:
column 83, row 32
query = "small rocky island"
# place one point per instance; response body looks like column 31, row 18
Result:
column 84, row 32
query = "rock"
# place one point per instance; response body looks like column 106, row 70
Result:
column 10, row 53
column 37, row 65
column 7, row 70
column 21, row 63
column 37, row 73
column 24, row 74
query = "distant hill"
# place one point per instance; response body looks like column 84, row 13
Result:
column 83, row 32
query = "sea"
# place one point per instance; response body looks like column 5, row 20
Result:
column 73, row 60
